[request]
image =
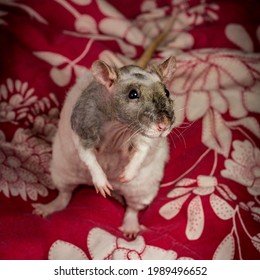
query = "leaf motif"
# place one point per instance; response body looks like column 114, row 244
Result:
column 215, row 134
column 238, row 35
column 179, row 192
column 197, row 104
column 256, row 241
column 226, row 249
column 108, row 9
column 252, row 97
column 218, row 101
column 195, row 224
column 86, row 24
column 221, row 208
column 53, row 59
column 172, row 208
column 100, row 243
column 121, row 28
column 186, row 182
column 61, row 250
column 234, row 97
column 61, row 77
column 233, row 70
column 249, row 123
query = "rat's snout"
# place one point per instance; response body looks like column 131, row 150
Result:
column 164, row 124
column 161, row 126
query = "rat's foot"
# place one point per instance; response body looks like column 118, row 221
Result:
column 43, row 210
column 59, row 203
column 131, row 226
column 131, row 231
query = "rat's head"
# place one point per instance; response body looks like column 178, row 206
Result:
column 140, row 97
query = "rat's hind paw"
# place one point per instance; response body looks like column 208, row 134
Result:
column 131, row 231
column 41, row 209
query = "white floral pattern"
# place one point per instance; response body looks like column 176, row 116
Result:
column 204, row 186
column 244, row 167
column 18, row 102
column 104, row 246
column 209, row 204
column 16, row 98
column 24, row 166
column 61, row 72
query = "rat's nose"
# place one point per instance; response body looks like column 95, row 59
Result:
column 161, row 126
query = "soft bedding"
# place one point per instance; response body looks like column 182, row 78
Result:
column 208, row 206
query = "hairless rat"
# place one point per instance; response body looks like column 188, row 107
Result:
column 112, row 134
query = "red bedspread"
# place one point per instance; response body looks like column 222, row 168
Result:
column 208, row 206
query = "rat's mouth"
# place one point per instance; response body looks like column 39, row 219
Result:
column 153, row 132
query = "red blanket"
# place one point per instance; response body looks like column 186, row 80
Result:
column 208, row 206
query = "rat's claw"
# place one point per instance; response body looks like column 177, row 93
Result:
column 104, row 190
column 122, row 179
column 132, row 232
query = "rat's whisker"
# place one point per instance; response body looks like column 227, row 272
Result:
column 172, row 140
column 180, row 136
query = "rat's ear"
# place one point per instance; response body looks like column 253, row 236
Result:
column 166, row 69
column 104, row 73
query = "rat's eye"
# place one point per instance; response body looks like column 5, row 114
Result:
column 167, row 93
column 133, row 94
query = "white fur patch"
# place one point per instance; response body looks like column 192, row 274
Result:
column 149, row 78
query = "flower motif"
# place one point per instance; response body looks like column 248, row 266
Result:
column 202, row 186
column 61, row 250
column 24, row 165
column 105, row 246
column 18, row 103
column 62, row 67
column 45, row 125
column 16, row 98
column 254, row 209
column 224, row 81
column 209, row 84
column 83, row 23
column 244, row 167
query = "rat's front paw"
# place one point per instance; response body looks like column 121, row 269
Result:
column 104, row 189
column 127, row 175
column 102, row 185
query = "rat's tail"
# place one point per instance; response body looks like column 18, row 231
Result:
column 150, row 50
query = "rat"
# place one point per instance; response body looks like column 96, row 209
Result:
column 112, row 134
